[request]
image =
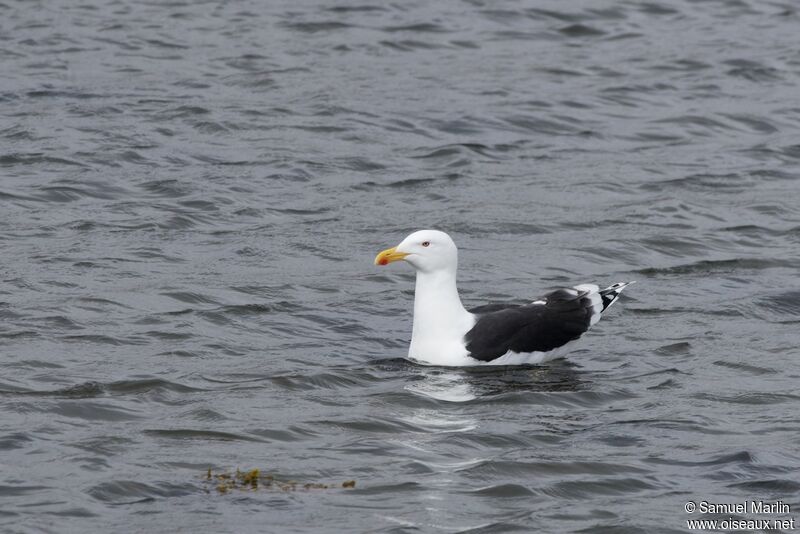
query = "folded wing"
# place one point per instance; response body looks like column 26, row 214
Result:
column 554, row 320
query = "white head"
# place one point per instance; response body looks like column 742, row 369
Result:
column 426, row 250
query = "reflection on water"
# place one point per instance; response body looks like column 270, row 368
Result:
column 459, row 414
column 467, row 384
column 460, row 393
column 450, row 386
column 435, row 421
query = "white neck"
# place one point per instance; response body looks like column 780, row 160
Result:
column 440, row 320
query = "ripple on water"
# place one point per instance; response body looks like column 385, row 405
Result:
column 130, row 491
column 775, row 488
column 192, row 198
column 752, row 398
column 185, row 434
column 718, row 266
column 15, row 440
column 91, row 411
column 538, row 469
column 585, row 489
column 781, row 308
column 503, row 491
column 11, row 491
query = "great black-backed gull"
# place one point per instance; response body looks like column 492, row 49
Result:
column 444, row 333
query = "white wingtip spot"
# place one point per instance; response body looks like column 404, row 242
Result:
column 590, row 288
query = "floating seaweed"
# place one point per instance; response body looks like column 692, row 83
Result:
column 253, row 480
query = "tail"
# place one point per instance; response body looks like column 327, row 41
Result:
column 611, row 293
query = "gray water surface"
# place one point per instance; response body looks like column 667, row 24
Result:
column 192, row 193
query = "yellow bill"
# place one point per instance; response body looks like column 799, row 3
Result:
column 388, row 256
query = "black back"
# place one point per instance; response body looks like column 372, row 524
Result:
column 565, row 315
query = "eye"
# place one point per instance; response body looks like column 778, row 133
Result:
column 426, row 243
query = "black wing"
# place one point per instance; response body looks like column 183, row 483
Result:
column 565, row 315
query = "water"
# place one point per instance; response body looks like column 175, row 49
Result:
column 192, row 194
